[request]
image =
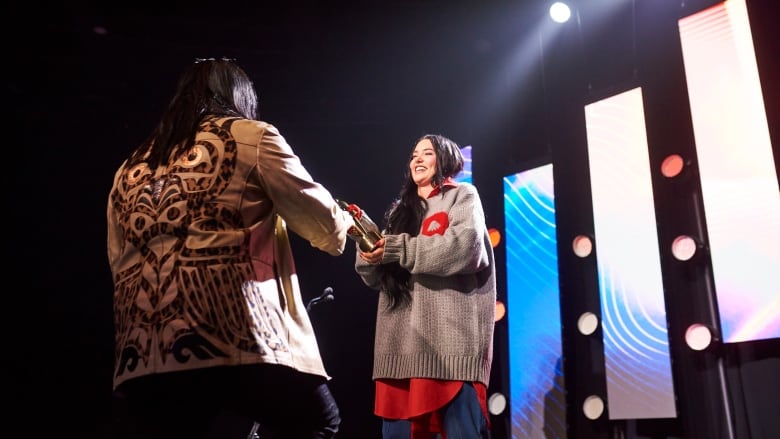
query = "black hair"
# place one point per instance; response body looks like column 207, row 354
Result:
column 214, row 86
column 405, row 214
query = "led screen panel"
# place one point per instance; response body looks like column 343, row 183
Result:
column 465, row 174
column 737, row 170
column 537, row 399
column 636, row 344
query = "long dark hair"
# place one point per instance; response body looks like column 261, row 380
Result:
column 405, row 214
column 207, row 87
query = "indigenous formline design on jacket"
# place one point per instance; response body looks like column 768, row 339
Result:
column 194, row 234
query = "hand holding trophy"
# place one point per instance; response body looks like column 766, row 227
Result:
column 365, row 232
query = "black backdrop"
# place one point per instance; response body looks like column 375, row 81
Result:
column 350, row 86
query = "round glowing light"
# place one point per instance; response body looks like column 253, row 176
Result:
column 560, row 12
column 683, row 247
column 672, row 166
column 496, row 404
column 587, row 323
column 698, row 337
column 500, row 310
column 495, row 237
column 582, row 245
column 593, row 407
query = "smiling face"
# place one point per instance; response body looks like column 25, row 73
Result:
column 422, row 167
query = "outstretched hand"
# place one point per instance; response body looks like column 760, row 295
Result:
column 375, row 256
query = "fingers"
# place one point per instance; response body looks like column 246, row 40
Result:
column 374, row 257
column 373, row 260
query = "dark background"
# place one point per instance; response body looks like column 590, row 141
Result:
column 351, row 85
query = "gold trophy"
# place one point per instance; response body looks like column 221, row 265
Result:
column 365, row 231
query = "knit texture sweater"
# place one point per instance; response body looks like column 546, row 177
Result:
column 446, row 332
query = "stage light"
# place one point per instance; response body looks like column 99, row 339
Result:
column 672, row 165
column 500, row 310
column 496, row 404
column 593, row 407
column 587, row 323
column 495, row 237
column 698, row 336
column 560, row 12
column 582, row 245
column 684, row 247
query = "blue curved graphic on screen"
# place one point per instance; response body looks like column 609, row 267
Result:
column 465, row 174
column 537, row 395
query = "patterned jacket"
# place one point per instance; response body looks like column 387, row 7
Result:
column 447, row 330
column 202, row 267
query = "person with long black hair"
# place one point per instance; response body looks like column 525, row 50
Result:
column 435, row 272
column 209, row 320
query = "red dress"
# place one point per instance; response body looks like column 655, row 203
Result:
column 419, row 401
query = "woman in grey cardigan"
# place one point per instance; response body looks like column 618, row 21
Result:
column 435, row 271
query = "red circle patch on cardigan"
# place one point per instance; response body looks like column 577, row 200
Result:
column 435, row 224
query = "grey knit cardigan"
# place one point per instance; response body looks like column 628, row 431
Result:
column 447, row 330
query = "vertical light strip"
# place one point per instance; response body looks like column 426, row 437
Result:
column 636, row 345
column 537, row 396
column 738, row 177
column 465, row 175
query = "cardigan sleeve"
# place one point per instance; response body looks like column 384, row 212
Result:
column 452, row 240
column 367, row 272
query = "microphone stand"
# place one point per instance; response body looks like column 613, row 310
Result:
column 326, row 296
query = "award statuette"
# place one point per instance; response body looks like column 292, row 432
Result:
column 365, row 232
